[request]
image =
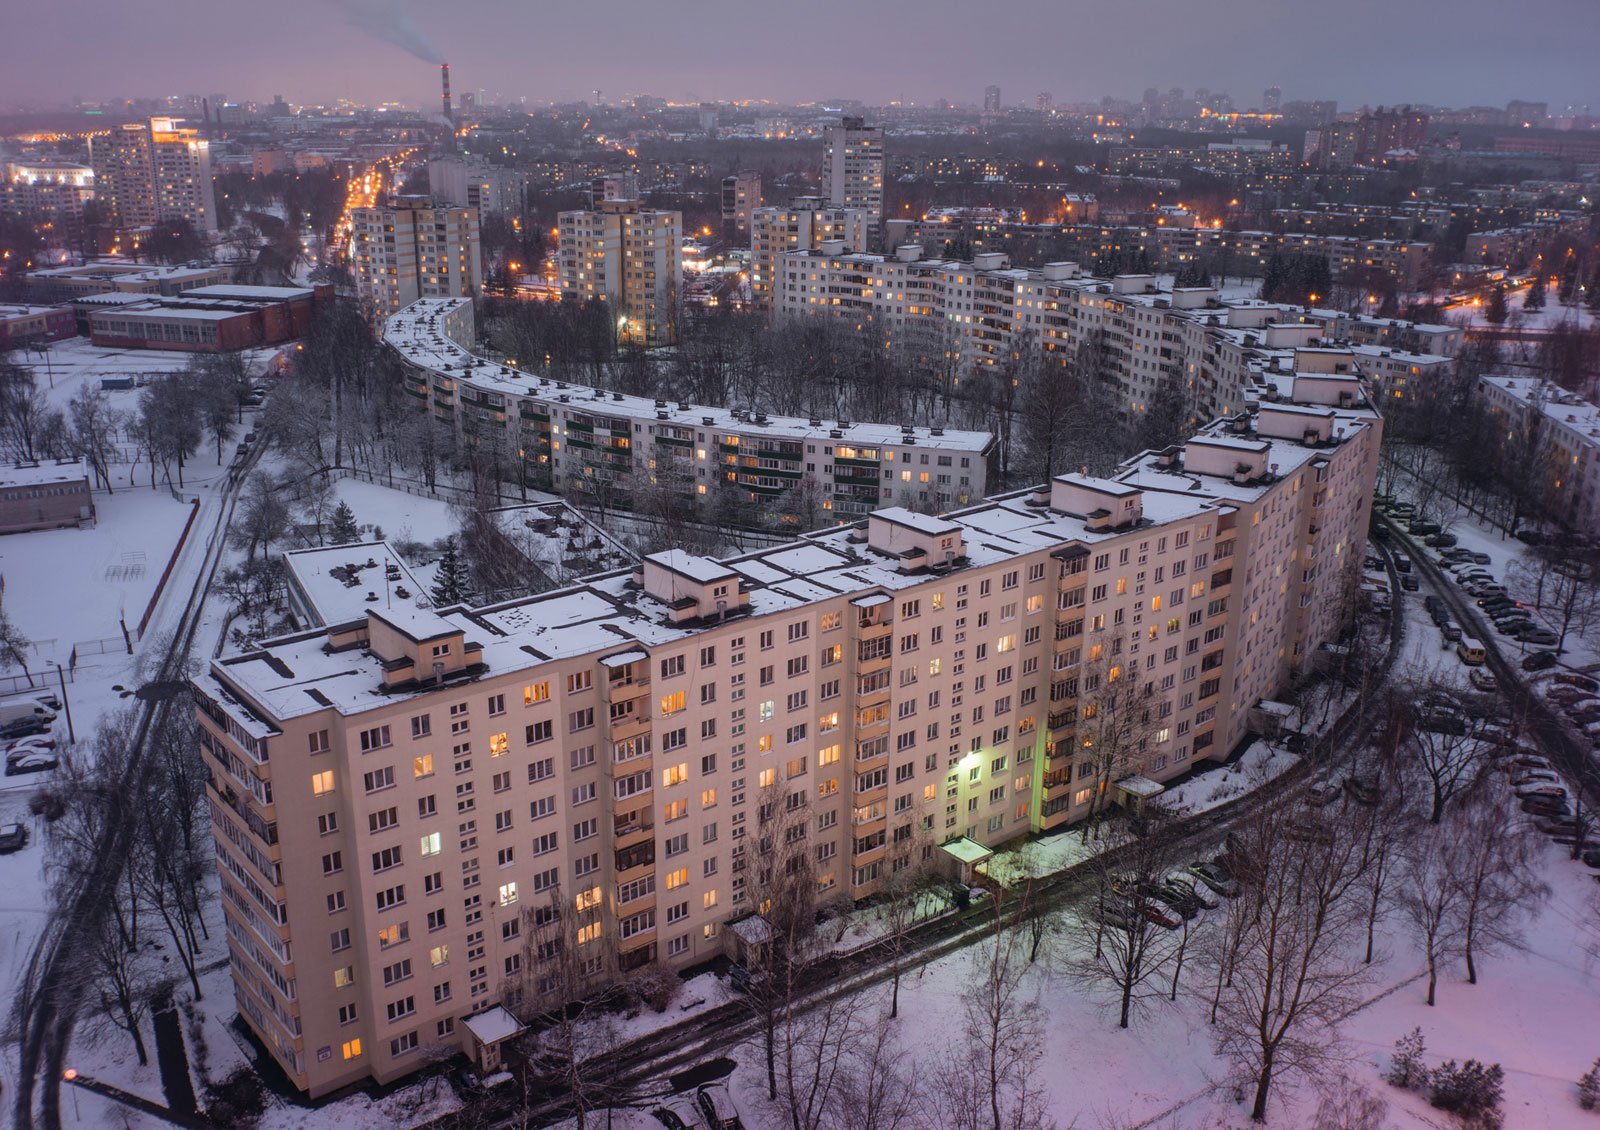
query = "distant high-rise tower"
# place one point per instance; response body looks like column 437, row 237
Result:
column 852, row 168
column 1044, row 103
column 741, row 195
column 146, row 172
column 991, row 100
column 444, row 79
column 1272, row 99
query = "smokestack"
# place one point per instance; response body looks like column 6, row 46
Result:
column 444, row 77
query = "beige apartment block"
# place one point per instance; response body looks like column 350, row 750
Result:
column 404, row 801
column 631, row 258
column 411, row 248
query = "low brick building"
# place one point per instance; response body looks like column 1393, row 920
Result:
column 209, row 319
column 44, row 496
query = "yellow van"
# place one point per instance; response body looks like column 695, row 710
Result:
column 1470, row 651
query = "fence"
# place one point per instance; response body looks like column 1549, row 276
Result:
column 110, row 645
column 183, row 538
column 42, row 681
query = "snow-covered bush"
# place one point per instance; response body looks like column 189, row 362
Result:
column 1589, row 1087
column 1471, row 1091
column 1406, row 1068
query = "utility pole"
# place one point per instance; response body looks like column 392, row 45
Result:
column 66, row 704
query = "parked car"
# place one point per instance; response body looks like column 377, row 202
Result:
column 1531, row 761
column 718, row 1107
column 1185, row 908
column 1422, row 527
column 1523, row 777
column 1544, row 637
column 1159, row 914
column 1323, row 792
column 1542, row 806
column 31, row 763
column 1542, row 790
column 1572, row 679
column 1216, row 878
column 1201, row 893
column 1442, row 721
column 1452, row 631
column 678, row 1112
column 36, row 743
column 1539, row 661
column 13, row 837
column 22, row 727
column 1442, row 541
column 1483, row 680
column 1363, row 790
column 1591, row 858
column 1433, row 603
column 1410, row 583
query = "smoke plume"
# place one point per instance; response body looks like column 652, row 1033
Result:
column 390, row 21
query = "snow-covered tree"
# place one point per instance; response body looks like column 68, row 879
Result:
column 343, row 528
column 450, row 585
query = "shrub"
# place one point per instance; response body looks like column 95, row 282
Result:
column 655, row 985
column 1589, row 1087
column 1471, row 1091
column 1406, row 1068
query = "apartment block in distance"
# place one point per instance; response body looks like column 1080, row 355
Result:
column 741, row 195
column 632, row 258
column 156, row 170
column 400, row 800
column 852, row 168
column 411, row 247
column 582, row 440
column 806, row 224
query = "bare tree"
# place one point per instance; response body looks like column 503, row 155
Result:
column 1429, row 896
column 904, row 896
column 91, row 426
column 1447, row 754
column 1346, row 1105
column 263, row 516
column 560, row 991
column 985, row 1080
column 121, row 984
column 1116, row 938
column 1114, row 721
column 1496, row 883
column 815, row 1046
column 878, row 1088
column 782, row 937
column 1290, row 976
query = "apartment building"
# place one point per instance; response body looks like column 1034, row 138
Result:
column 152, row 171
column 806, row 224
column 46, row 188
column 402, row 801
column 1562, row 431
column 597, row 443
column 983, row 311
column 632, row 258
column 852, row 168
column 410, row 248
column 472, row 182
column 741, row 195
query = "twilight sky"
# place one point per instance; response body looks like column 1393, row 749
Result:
column 1453, row 52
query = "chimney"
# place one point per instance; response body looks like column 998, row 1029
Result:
column 444, row 77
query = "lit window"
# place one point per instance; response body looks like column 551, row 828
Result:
column 322, row 783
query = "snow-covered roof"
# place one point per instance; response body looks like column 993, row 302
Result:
column 696, row 568
column 1142, row 787
column 494, row 1025
column 968, row 850
column 44, row 474
column 337, row 582
column 417, row 335
column 752, row 931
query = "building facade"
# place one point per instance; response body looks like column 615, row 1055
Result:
column 46, row 188
column 45, row 496
column 806, row 224
column 1559, row 433
column 405, row 803
column 152, row 171
column 741, row 195
column 852, row 168
column 979, row 313
column 617, row 449
column 411, row 248
column 630, row 257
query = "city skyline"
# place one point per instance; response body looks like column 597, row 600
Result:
column 381, row 50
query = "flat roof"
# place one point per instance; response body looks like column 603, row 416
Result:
column 43, row 474
column 416, row 335
column 336, row 579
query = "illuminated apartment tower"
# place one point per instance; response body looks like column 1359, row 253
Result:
column 632, row 258
column 411, row 248
column 421, row 813
column 153, row 171
column 741, row 195
column 805, row 225
column 852, row 169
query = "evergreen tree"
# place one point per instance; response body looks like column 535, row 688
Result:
column 1497, row 305
column 1589, row 1087
column 1406, row 1068
column 1591, row 298
column 343, row 528
column 450, row 585
column 1535, row 296
column 1568, row 292
column 1472, row 1090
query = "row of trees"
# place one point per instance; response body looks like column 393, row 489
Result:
column 151, row 932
